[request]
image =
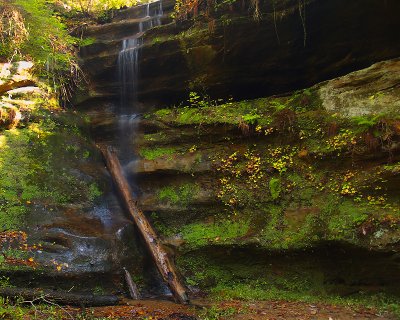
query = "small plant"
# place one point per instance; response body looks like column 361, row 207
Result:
column 197, row 101
column 99, row 290
column 217, row 313
column 94, row 191
column 85, row 41
column 275, row 188
column 282, row 158
column 365, row 123
column 278, row 106
column 5, row 282
column 343, row 141
column 251, row 118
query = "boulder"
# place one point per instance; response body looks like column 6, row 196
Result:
column 15, row 75
column 373, row 90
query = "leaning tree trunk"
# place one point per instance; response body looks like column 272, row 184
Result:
column 158, row 253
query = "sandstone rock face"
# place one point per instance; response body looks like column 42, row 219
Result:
column 83, row 238
column 13, row 76
column 181, row 182
column 206, row 136
column 190, row 163
column 373, row 90
column 83, row 241
column 137, row 12
column 247, row 58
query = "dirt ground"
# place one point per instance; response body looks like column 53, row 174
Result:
column 232, row 310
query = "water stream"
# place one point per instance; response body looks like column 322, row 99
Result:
column 128, row 58
column 128, row 113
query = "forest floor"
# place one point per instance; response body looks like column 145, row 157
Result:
column 205, row 310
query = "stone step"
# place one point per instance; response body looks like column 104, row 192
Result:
column 140, row 11
column 117, row 30
column 108, row 37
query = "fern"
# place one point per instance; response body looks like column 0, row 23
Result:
column 365, row 123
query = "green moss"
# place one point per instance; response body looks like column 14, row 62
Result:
column 228, row 278
column 190, row 116
column 181, row 195
column 161, row 227
column 262, row 112
column 163, row 113
column 94, row 192
column 346, row 218
column 16, row 170
column 154, row 153
column 285, row 174
column 17, row 309
column 82, row 42
column 221, row 232
column 36, row 167
column 287, row 291
column 168, row 194
column 286, row 191
column 211, row 112
column 304, row 100
column 261, row 276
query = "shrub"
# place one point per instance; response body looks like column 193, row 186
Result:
column 29, row 30
column 99, row 7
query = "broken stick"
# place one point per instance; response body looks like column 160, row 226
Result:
column 60, row 297
column 133, row 290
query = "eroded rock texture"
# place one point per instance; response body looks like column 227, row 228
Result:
column 245, row 58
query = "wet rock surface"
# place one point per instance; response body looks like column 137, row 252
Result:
column 83, row 241
column 72, row 234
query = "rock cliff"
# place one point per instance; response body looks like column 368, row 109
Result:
column 236, row 55
column 298, row 170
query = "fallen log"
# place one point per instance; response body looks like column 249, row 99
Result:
column 59, row 297
column 157, row 251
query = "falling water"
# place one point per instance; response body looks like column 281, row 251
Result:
column 128, row 65
column 128, row 111
column 128, row 72
column 128, row 68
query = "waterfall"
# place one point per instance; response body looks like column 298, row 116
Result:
column 128, row 74
column 128, row 65
column 128, row 113
column 128, row 69
column 148, row 10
